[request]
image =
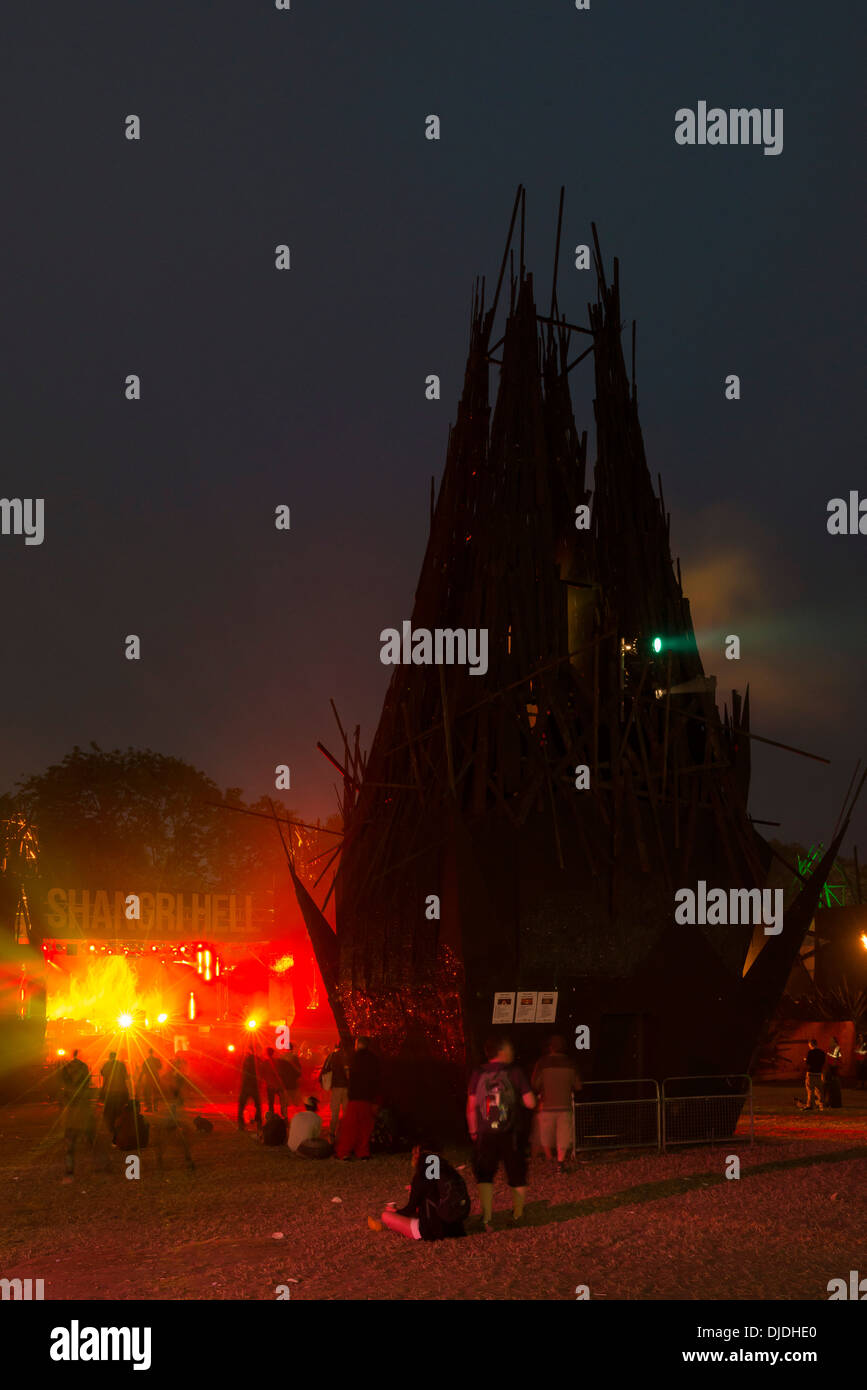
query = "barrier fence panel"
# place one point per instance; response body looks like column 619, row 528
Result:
column 705, row 1109
column 616, row 1115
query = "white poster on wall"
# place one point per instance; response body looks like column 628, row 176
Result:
column 525, row 1008
column 504, row 1008
column 546, row 1007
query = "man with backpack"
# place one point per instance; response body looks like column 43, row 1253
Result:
column 499, row 1099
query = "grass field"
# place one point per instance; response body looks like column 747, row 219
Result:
column 629, row 1225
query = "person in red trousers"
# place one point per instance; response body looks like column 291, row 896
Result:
column 356, row 1127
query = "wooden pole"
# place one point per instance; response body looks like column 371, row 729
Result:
column 557, row 252
column 493, row 308
column 447, row 728
column 595, row 715
column 665, row 739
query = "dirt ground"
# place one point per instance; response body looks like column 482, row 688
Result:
column 629, row 1225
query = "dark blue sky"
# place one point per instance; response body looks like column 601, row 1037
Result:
column 307, row 388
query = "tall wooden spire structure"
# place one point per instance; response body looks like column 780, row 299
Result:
column 474, row 858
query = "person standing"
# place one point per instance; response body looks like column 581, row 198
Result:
column 814, row 1062
column 861, row 1061
column 289, row 1070
column 249, row 1089
column 497, row 1104
column 555, row 1081
column 79, row 1121
column 150, row 1080
column 363, row 1102
column 274, row 1086
column 74, row 1077
column 115, row 1090
column 334, row 1078
column 833, row 1096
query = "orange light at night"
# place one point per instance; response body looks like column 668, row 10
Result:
column 251, row 1023
column 161, row 1018
column 125, row 1020
column 231, row 1047
column 192, row 1008
column 864, row 940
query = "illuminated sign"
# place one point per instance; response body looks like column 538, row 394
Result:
column 73, row 913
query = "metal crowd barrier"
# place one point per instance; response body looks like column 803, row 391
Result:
column 704, row 1109
column 616, row 1116
column 635, row 1114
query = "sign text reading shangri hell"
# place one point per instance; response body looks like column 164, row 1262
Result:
column 73, row 912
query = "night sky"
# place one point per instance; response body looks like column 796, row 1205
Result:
column 306, row 387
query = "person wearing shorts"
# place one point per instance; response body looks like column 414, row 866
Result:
column 555, row 1080
column 505, row 1143
column 814, row 1062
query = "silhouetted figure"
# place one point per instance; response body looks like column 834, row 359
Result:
column 131, row 1131
column 249, row 1089
column 79, row 1119
column 150, row 1081
column 274, row 1085
column 115, row 1090
column 833, row 1095
column 364, row 1101
column 289, row 1069
column 814, row 1062
column 334, row 1078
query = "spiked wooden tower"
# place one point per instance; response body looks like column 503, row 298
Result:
column 469, row 792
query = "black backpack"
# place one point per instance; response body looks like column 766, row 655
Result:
column 453, row 1199
column 274, row 1130
column 497, row 1102
column 131, row 1130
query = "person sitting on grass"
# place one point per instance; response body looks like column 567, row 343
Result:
column 438, row 1200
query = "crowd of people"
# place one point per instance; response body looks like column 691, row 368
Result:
column 122, row 1098
column 501, row 1105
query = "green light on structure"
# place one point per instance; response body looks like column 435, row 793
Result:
column 657, row 644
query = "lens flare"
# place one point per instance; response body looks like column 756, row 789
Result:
column 125, row 1020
